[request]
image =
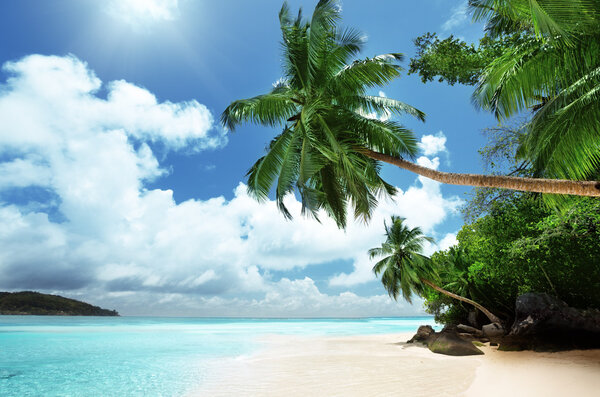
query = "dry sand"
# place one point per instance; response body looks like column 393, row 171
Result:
column 383, row 365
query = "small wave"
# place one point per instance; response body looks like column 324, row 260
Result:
column 7, row 374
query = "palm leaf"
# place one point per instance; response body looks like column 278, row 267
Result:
column 271, row 109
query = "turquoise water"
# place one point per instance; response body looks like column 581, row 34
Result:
column 144, row 356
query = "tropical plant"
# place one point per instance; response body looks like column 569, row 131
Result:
column 555, row 71
column 330, row 148
column 453, row 60
column 456, row 270
column 405, row 270
column 521, row 246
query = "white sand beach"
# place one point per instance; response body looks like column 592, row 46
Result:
column 384, row 365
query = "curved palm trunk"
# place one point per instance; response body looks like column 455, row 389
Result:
column 554, row 186
column 485, row 311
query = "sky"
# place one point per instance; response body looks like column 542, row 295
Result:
column 119, row 186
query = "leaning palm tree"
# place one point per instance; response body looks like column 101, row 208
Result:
column 330, row 149
column 405, row 270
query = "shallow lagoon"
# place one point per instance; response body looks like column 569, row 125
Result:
column 144, row 356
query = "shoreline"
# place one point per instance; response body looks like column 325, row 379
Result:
column 385, row 365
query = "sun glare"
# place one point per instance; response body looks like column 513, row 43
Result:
column 143, row 12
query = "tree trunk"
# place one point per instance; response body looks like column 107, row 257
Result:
column 485, row 311
column 539, row 185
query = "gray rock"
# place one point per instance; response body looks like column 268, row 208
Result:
column 423, row 334
column 493, row 330
column 543, row 322
column 470, row 330
column 540, row 312
column 450, row 343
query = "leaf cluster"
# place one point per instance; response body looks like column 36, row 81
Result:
column 455, row 61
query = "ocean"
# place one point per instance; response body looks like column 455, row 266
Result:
column 145, row 356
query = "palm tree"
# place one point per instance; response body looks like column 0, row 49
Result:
column 330, row 149
column 404, row 269
column 555, row 71
column 456, row 268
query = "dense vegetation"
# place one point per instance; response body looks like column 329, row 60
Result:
column 521, row 246
column 34, row 303
column 538, row 60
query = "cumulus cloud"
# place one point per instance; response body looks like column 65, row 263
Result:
column 432, row 145
column 91, row 153
column 448, row 241
column 285, row 298
column 100, row 230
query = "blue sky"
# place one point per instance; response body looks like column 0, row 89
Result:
column 119, row 186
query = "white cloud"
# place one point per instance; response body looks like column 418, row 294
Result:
column 122, row 240
column 22, row 172
column 285, row 298
column 141, row 12
column 363, row 271
column 448, row 241
column 433, row 163
column 459, row 17
column 432, row 145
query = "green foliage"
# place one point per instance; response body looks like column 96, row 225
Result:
column 565, row 250
column 541, row 57
column 500, row 157
column 557, row 18
column 34, row 303
column 453, row 60
column 445, row 309
column 521, row 246
column 556, row 72
column 321, row 102
column 403, row 267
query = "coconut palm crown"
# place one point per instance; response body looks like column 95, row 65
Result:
column 404, row 266
column 331, row 144
column 323, row 105
column 405, row 270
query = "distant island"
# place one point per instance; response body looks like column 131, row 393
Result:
column 35, row 303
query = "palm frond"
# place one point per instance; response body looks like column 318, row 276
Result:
column 387, row 137
column 381, row 105
column 404, row 266
column 289, row 171
column 358, row 76
column 321, row 33
column 270, row 109
column 264, row 172
column 561, row 69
